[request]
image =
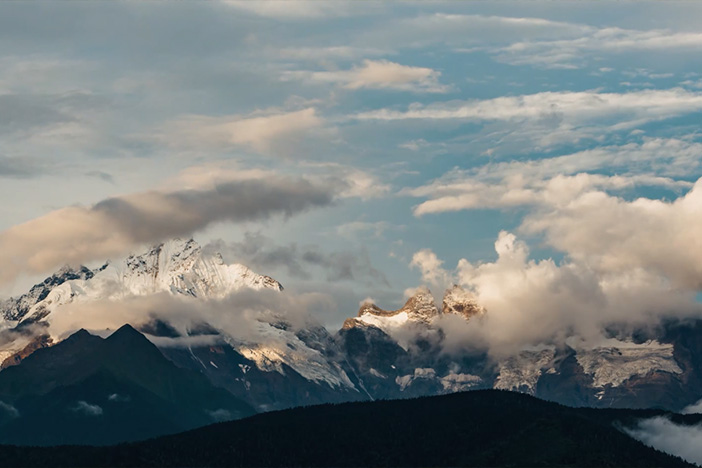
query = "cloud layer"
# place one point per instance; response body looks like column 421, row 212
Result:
column 116, row 225
column 666, row 436
column 536, row 302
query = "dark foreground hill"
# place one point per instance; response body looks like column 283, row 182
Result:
column 89, row 390
column 480, row 428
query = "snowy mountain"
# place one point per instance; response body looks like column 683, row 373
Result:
column 276, row 353
column 178, row 267
column 272, row 360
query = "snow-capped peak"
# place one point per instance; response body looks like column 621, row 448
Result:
column 177, row 267
column 418, row 308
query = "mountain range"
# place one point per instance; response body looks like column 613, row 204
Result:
column 220, row 333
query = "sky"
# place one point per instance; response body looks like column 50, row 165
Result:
column 543, row 155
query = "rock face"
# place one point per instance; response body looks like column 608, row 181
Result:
column 420, row 308
column 459, row 301
column 17, row 308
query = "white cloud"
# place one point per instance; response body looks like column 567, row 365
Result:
column 541, row 302
column 353, row 182
column 552, row 181
column 184, row 313
column 266, row 133
column 9, row 409
column 574, row 52
column 576, row 107
column 676, row 439
column 298, row 9
column 431, row 269
column 615, row 235
column 695, row 408
column 377, row 74
column 459, row 30
column 87, row 409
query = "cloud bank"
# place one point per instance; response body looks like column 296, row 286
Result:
column 116, row 225
column 534, row 302
column 666, row 436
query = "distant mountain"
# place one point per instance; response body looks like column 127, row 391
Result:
column 285, row 361
column 89, row 390
column 289, row 366
column 472, row 429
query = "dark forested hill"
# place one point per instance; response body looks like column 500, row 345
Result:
column 480, row 428
column 89, row 390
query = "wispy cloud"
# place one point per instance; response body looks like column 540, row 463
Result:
column 87, row 409
column 266, row 133
column 377, row 74
column 575, row 52
column 561, row 105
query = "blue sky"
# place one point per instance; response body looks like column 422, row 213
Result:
column 406, row 138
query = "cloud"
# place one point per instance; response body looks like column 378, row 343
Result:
column 518, row 191
column 266, row 133
column 541, row 302
column 323, row 54
column 221, row 415
column 346, row 266
column 377, row 74
column 555, row 181
column 9, row 409
column 353, row 182
column 263, row 253
column 695, row 408
column 676, row 439
column 431, row 268
column 239, row 316
column 298, row 10
column 104, row 176
column 87, row 409
column 558, row 105
column 616, row 235
column 575, row 52
column 460, row 30
column 356, row 229
column 21, row 167
column 116, row 225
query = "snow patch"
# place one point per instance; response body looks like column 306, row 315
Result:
column 521, row 372
column 615, row 362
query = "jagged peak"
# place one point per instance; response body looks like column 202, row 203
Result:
column 419, row 307
column 458, row 300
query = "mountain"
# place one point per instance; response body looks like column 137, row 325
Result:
column 179, row 267
column 280, row 365
column 473, row 429
column 272, row 360
column 400, row 353
column 90, row 390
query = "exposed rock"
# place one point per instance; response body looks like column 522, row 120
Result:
column 459, row 301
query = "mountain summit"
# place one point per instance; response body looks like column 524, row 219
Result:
column 178, row 267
